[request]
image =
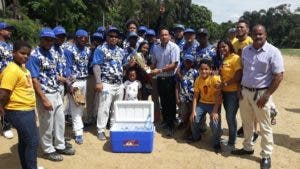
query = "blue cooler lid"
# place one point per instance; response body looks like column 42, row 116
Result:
column 134, row 111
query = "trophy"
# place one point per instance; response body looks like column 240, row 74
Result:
column 141, row 62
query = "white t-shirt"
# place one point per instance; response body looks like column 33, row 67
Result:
column 132, row 89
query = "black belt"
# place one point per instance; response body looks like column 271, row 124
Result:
column 254, row 89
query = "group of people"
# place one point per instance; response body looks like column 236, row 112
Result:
column 180, row 69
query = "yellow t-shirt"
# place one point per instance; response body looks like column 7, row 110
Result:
column 239, row 46
column 230, row 65
column 233, row 40
column 207, row 88
column 18, row 80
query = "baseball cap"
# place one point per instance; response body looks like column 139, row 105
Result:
column 202, row 31
column 81, row 32
column 178, row 26
column 98, row 35
column 142, row 28
column 150, row 32
column 189, row 30
column 113, row 29
column 4, row 25
column 132, row 34
column 47, row 32
column 232, row 30
column 59, row 30
column 100, row 29
column 189, row 57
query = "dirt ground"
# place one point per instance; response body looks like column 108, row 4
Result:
column 174, row 153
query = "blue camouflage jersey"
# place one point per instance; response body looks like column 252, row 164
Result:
column 129, row 52
column 111, row 62
column 5, row 54
column 186, row 84
column 180, row 43
column 43, row 65
column 206, row 53
column 77, row 61
column 189, row 49
column 59, row 55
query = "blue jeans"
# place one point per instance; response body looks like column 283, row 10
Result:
column 202, row 109
column 24, row 122
column 231, row 105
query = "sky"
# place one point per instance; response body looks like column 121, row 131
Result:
column 225, row 10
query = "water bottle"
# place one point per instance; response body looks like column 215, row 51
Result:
column 148, row 124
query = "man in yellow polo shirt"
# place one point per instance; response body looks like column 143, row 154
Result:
column 17, row 102
column 242, row 30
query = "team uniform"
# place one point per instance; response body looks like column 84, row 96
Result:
column 208, row 52
column 43, row 65
column 77, row 61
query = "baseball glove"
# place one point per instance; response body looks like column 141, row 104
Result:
column 78, row 96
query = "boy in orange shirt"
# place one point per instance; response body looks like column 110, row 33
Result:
column 207, row 99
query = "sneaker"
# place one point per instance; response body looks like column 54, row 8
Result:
column 101, row 136
column 79, row 139
column 217, row 148
column 255, row 136
column 66, row 151
column 68, row 145
column 53, row 156
column 229, row 148
column 242, row 152
column 8, row 134
column 40, row 167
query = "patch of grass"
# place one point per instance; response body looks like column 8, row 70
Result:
column 291, row 52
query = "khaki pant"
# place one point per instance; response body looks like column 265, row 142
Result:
column 249, row 113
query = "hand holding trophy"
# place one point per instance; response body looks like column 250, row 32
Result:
column 141, row 62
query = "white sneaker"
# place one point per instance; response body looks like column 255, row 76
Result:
column 8, row 134
column 40, row 167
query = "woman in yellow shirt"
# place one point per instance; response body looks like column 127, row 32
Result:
column 17, row 100
column 207, row 99
column 231, row 74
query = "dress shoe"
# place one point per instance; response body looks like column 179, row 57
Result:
column 242, row 152
column 265, row 163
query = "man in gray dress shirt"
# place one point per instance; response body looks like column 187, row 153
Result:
column 262, row 73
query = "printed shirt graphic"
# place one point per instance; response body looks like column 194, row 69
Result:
column 58, row 53
column 42, row 64
column 187, row 84
column 111, row 62
column 5, row 54
column 206, row 53
column 17, row 79
column 132, row 89
column 77, row 61
column 207, row 88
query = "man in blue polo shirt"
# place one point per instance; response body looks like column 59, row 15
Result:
column 5, row 57
column 42, row 65
column 108, row 71
column 77, row 61
column 262, row 73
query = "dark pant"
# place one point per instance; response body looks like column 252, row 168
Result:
column 166, row 91
column 231, row 105
column 24, row 122
column 5, row 123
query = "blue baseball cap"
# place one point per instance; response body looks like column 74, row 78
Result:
column 113, row 29
column 189, row 57
column 81, row 32
column 100, row 29
column 189, row 30
column 142, row 28
column 97, row 35
column 4, row 25
column 132, row 35
column 202, row 31
column 59, row 30
column 178, row 26
column 150, row 32
column 47, row 32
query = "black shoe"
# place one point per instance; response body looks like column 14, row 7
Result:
column 68, row 145
column 217, row 148
column 240, row 132
column 53, row 156
column 191, row 139
column 170, row 132
column 265, row 163
column 66, row 151
column 255, row 136
column 242, row 152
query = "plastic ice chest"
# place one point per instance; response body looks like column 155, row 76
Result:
column 133, row 130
